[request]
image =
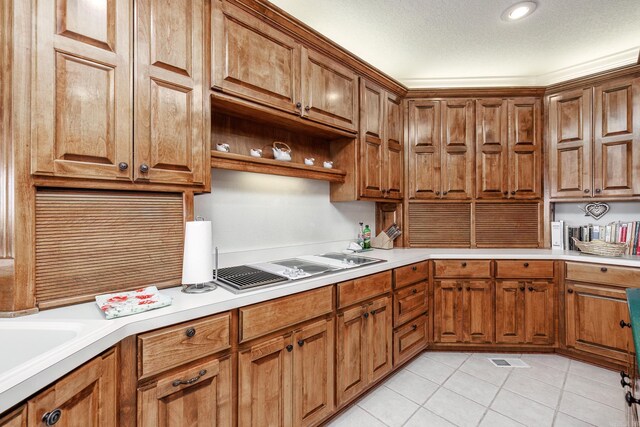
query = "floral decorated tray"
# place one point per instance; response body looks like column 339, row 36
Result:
column 126, row 303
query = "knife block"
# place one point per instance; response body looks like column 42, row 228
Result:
column 382, row 241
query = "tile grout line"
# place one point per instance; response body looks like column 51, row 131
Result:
column 562, row 390
column 496, row 396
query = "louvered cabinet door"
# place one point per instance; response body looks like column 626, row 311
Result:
column 491, row 149
column 81, row 100
column 170, row 141
column 424, row 145
column 371, row 140
column 458, row 162
column 616, row 156
column 394, row 150
column 570, row 144
column 525, row 148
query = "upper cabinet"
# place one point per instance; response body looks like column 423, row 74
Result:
column 441, row 162
column 605, row 163
column 83, row 113
column 257, row 62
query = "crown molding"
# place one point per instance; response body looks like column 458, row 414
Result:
column 616, row 60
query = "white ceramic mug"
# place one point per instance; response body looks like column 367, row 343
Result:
column 256, row 152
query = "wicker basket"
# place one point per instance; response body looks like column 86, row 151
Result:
column 598, row 247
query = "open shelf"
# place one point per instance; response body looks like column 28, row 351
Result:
column 222, row 160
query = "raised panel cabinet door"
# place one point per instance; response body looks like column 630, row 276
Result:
column 478, row 311
column 593, row 320
column 85, row 397
column 15, row 418
column 198, row 395
column 458, row 161
column 394, row 155
column 424, row 145
column 81, row 101
column 409, row 303
column 491, row 149
column 264, row 383
column 253, row 60
column 570, row 167
column 525, row 148
column 379, row 326
column 371, row 140
column 329, row 91
column 313, row 373
column 170, row 141
column 447, row 321
column 616, row 149
column 510, row 311
column 351, row 361
column 540, row 314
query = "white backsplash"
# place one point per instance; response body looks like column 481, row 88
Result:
column 619, row 211
column 254, row 212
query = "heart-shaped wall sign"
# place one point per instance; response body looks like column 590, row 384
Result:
column 596, row 209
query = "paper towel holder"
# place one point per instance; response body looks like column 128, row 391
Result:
column 197, row 282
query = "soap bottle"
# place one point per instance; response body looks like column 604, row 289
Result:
column 366, row 236
column 360, row 239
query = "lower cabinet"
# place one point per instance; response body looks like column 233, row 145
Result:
column 463, row 311
column 593, row 315
column 288, row 380
column 15, row 418
column 525, row 312
column 410, row 339
column 364, row 346
column 198, row 395
column 86, row 397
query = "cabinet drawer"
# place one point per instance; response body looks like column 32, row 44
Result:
column 409, row 340
column 606, row 274
column 363, row 288
column 166, row 348
column 260, row 319
column 524, row 269
column 409, row 274
column 409, row 302
column 462, row 268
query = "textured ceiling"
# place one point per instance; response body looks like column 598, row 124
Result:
column 426, row 43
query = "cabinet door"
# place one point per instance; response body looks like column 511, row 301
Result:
column 448, row 311
column 330, row 91
column 264, row 383
column 313, row 375
column 351, row 367
column 570, row 144
column 170, row 126
column 198, row 395
column 82, row 90
column 15, row 418
column 478, row 311
column 616, row 150
column 85, row 397
column 525, row 148
column 510, row 311
column 425, row 140
column 458, row 165
column 393, row 164
column 253, row 60
column 491, row 149
column 410, row 302
column 593, row 316
column 379, row 338
column 540, row 315
column 371, row 140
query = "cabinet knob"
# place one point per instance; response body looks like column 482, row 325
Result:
column 513, row 193
column 506, row 193
column 522, row 288
column 569, row 291
column 464, row 264
column 597, row 190
column 414, row 268
column 190, row 332
column 459, row 288
column 468, row 288
column 144, row 168
column 526, row 264
column 586, row 190
column 444, row 193
column 123, row 166
column 437, row 193
column 298, row 105
column 414, row 327
column 307, row 108
column 630, row 399
column 366, row 315
column 531, row 288
column 624, row 324
column 603, row 269
column 415, row 291
column 300, row 343
column 290, row 348
column 50, row 418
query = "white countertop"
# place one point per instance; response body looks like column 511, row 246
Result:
column 36, row 365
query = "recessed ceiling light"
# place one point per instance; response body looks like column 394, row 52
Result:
column 519, row 11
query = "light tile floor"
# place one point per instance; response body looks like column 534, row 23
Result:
column 463, row 389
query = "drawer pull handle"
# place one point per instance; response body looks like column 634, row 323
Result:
column 603, row 269
column 414, row 327
column 300, row 343
column 50, row 418
column 526, row 264
column 464, row 264
column 569, row 291
column 415, row 291
column 366, row 315
column 191, row 332
column 531, row 288
column 177, row 383
column 624, row 324
column 630, row 399
column 414, row 268
column 290, row 348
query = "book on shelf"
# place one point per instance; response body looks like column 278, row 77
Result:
column 614, row 232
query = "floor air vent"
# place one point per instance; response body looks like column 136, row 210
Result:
column 508, row 363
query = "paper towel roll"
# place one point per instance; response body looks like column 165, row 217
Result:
column 197, row 263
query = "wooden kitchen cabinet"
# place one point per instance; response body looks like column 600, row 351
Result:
column 463, row 311
column 85, row 397
column 15, row 418
column 492, row 176
column 510, row 311
column 381, row 152
column 199, row 394
column 525, row 312
column 448, row 303
column 441, row 149
column 525, row 148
